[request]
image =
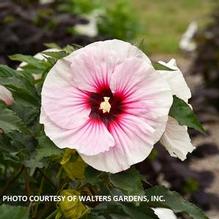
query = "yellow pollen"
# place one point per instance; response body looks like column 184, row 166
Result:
column 105, row 105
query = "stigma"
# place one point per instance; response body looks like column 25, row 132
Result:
column 105, row 105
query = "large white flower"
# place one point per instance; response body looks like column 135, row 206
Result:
column 108, row 102
column 176, row 138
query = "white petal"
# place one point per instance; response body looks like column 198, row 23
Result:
column 164, row 213
column 134, row 141
column 66, row 107
column 176, row 80
column 62, row 102
column 88, row 139
column 146, row 93
column 119, row 49
column 176, row 139
column 148, row 96
column 94, row 64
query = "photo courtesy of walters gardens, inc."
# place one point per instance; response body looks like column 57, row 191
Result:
column 109, row 109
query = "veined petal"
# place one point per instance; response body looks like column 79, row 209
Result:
column 175, row 80
column 134, row 141
column 92, row 69
column 6, row 96
column 118, row 49
column 146, row 93
column 60, row 75
column 91, row 138
column 62, row 102
column 94, row 64
column 176, row 139
column 66, row 107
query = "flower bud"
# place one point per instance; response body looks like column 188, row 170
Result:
column 72, row 208
column 6, row 96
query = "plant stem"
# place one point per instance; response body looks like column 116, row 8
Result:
column 47, row 178
column 51, row 216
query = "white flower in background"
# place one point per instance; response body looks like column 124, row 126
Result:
column 6, row 96
column 164, row 213
column 43, row 2
column 187, row 43
column 176, row 138
column 90, row 29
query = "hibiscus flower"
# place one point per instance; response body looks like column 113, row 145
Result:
column 108, row 102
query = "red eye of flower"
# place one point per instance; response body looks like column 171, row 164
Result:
column 105, row 105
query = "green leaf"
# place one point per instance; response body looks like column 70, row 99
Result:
column 93, row 216
column 92, row 176
column 175, row 202
column 33, row 164
column 46, row 148
column 73, row 165
column 128, row 181
column 9, row 121
column 158, row 66
column 52, row 45
column 56, row 55
column 13, row 212
column 6, row 71
column 39, row 64
column 181, row 111
column 69, row 49
column 115, row 210
column 26, row 111
column 109, row 210
column 74, row 209
column 140, row 212
column 22, row 88
column 20, row 143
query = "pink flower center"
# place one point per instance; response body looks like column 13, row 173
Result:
column 105, row 105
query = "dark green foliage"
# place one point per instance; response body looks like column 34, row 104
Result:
column 31, row 164
column 175, row 202
column 26, row 25
column 14, row 212
column 129, row 182
column 183, row 113
column 115, row 210
column 120, row 21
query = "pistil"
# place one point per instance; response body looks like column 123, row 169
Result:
column 105, row 105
